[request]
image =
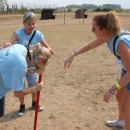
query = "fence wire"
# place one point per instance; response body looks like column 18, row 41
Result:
column 21, row 7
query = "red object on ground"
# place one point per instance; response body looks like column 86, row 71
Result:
column 37, row 104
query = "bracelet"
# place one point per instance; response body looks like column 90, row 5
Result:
column 118, row 86
column 111, row 91
column 114, row 87
column 76, row 52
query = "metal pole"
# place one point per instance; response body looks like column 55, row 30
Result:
column 37, row 104
column 64, row 15
column 83, row 14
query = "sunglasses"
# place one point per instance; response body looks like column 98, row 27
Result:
column 28, row 14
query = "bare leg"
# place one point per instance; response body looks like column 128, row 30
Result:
column 125, row 107
column 34, row 96
column 21, row 99
column 119, row 97
column 34, row 99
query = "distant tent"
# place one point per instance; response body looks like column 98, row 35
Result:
column 80, row 13
column 47, row 14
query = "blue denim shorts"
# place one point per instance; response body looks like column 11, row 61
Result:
column 32, row 79
column 128, row 85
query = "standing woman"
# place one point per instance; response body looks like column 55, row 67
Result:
column 23, row 36
column 106, row 27
column 13, row 69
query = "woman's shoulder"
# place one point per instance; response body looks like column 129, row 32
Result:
column 125, row 37
column 39, row 34
column 20, row 30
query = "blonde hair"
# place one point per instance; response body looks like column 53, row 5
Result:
column 38, row 49
column 29, row 16
column 109, row 21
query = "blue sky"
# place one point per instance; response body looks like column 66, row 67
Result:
column 123, row 3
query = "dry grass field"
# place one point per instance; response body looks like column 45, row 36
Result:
column 72, row 98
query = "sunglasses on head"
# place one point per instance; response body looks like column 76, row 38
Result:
column 28, row 14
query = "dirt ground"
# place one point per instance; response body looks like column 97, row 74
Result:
column 72, row 98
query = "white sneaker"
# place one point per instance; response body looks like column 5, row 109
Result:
column 40, row 108
column 116, row 123
column 22, row 110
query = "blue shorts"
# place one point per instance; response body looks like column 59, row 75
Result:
column 2, row 106
column 128, row 85
column 32, row 79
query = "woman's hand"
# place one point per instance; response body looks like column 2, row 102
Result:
column 69, row 60
column 7, row 44
column 39, row 86
column 111, row 92
column 52, row 51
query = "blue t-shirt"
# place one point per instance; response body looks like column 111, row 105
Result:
column 13, row 68
column 23, row 38
column 123, row 38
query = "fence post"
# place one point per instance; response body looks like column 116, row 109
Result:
column 64, row 15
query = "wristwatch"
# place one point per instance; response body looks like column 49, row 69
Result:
column 76, row 52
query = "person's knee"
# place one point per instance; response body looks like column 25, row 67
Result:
column 15, row 93
column 18, row 94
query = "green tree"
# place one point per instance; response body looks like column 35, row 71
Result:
column 69, row 9
column 98, row 10
column 23, row 9
column 119, row 10
column 107, row 9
